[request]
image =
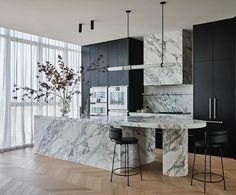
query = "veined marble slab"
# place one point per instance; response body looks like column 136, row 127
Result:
column 177, row 50
column 86, row 141
column 169, row 102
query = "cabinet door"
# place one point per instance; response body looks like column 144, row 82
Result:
column 223, row 79
column 223, row 45
column 103, row 74
column 94, row 55
column 202, row 89
column 86, row 75
column 123, row 59
column 202, row 42
column 113, row 61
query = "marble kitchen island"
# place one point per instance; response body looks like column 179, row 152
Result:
column 86, row 141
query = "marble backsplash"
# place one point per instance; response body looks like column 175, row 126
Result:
column 175, row 98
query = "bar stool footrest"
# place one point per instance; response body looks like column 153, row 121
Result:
column 123, row 171
column 210, row 174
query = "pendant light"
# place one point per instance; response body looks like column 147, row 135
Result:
column 128, row 12
column 143, row 66
column 162, row 31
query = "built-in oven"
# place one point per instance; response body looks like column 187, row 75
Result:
column 118, row 98
column 98, row 100
column 98, row 94
column 98, row 108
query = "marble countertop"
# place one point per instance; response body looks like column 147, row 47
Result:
column 160, row 122
column 164, row 122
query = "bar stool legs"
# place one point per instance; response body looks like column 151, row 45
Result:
column 205, row 173
column 128, row 164
column 126, row 167
column 113, row 159
column 194, row 156
column 210, row 171
column 222, row 167
column 140, row 167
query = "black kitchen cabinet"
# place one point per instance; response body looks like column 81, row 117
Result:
column 223, row 36
column 202, row 43
column 214, row 78
column 112, row 61
column 103, row 75
column 119, row 52
column 86, row 77
column 94, row 55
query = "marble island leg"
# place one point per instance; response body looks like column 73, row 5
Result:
column 175, row 152
column 146, row 139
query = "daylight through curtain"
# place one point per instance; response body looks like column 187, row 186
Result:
column 19, row 54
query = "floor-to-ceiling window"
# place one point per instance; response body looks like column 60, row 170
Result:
column 19, row 54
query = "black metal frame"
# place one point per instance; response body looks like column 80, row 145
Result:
column 126, row 168
column 210, row 172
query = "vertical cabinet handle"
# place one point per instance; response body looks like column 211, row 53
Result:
column 214, row 108
column 209, row 108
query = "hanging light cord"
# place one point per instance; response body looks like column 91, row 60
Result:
column 128, row 11
column 162, row 32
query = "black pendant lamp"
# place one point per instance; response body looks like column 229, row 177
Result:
column 162, row 31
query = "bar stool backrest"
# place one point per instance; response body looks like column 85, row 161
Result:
column 218, row 137
column 115, row 134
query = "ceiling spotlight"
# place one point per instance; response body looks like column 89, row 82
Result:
column 80, row 28
column 92, row 24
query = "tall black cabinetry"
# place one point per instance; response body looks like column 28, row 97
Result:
column 214, row 78
column 119, row 52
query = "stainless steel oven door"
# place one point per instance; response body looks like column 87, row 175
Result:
column 98, row 94
column 98, row 108
column 117, row 97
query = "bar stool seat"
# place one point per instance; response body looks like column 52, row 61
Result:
column 129, row 140
column 201, row 144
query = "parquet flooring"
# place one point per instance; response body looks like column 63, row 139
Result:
column 24, row 173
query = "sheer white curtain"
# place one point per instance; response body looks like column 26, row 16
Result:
column 19, row 54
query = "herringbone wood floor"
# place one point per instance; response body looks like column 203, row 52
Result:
column 22, row 172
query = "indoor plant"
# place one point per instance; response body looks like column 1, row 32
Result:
column 61, row 82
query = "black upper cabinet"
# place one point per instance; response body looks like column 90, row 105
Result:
column 223, row 36
column 94, row 55
column 202, row 42
column 86, row 76
column 103, row 75
column 112, row 61
column 214, row 41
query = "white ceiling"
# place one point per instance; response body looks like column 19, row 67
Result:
column 59, row 19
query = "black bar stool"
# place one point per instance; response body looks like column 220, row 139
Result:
column 213, row 140
column 115, row 135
